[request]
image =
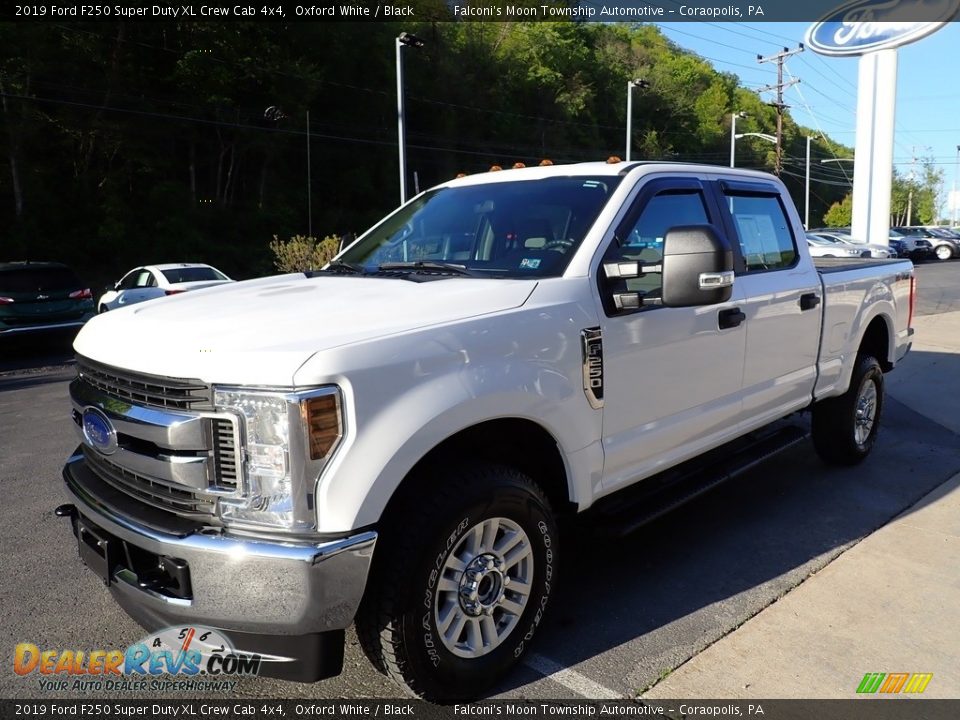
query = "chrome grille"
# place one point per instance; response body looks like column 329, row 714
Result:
column 141, row 389
column 225, row 454
column 180, row 500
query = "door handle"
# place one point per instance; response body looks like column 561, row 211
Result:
column 730, row 318
column 809, row 301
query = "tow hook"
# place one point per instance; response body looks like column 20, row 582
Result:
column 68, row 510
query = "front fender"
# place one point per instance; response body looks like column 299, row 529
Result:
column 405, row 394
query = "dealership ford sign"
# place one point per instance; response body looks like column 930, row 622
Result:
column 865, row 26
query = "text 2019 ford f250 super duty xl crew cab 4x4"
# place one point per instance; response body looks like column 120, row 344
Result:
column 390, row 440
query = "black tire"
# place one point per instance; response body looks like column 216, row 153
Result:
column 102, row 309
column 942, row 256
column 397, row 621
column 835, row 420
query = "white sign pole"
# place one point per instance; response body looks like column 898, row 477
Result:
column 873, row 167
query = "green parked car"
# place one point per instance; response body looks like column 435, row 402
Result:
column 37, row 296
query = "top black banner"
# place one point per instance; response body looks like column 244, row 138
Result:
column 862, row 12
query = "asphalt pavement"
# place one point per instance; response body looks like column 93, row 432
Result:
column 628, row 618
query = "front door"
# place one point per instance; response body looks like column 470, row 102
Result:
column 672, row 376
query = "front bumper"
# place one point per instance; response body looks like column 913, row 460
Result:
column 282, row 599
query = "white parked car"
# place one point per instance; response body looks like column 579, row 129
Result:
column 822, row 248
column 154, row 281
column 876, row 250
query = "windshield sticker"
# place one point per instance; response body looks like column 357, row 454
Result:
column 529, row 263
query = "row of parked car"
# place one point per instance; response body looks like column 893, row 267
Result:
column 49, row 295
column 917, row 243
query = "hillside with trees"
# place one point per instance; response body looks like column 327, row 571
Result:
column 128, row 143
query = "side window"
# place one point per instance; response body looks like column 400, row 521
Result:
column 129, row 280
column 763, row 228
column 643, row 239
column 143, row 279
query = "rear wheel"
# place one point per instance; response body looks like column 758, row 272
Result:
column 944, row 252
column 845, row 427
column 460, row 583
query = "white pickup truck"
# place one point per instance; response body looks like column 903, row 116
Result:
column 390, row 441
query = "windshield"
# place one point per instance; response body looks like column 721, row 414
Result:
column 193, row 274
column 524, row 228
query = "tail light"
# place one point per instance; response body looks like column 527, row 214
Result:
column 84, row 294
column 6, row 300
column 172, row 292
column 913, row 299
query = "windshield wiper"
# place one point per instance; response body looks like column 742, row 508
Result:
column 338, row 266
column 429, row 265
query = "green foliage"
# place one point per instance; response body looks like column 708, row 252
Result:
column 300, row 253
column 915, row 200
column 840, row 213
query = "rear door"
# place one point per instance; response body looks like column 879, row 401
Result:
column 671, row 375
column 781, row 299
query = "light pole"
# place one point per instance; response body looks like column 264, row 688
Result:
column 631, row 84
column 806, row 190
column 403, row 39
column 275, row 115
column 733, row 134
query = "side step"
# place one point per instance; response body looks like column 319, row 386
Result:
column 625, row 511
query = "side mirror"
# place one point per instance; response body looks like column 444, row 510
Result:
column 697, row 267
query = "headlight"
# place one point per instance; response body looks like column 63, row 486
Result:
column 287, row 438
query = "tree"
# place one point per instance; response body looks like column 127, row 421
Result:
column 840, row 213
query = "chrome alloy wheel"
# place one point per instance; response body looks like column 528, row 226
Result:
column 866, row 412
column 484, row 587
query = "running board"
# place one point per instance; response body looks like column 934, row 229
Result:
column 626, row 511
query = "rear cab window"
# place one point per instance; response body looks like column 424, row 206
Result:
column 762, row 227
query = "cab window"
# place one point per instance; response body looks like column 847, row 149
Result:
column 763, row 229
column 642, row 240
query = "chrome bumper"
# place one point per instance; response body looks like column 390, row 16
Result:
column 249, row 586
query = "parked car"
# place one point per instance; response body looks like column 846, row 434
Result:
column 928, row 244
column 38, row 296
column 946, row 242
column 823, row 248
column 899, row 247
column 874, row 250
column 154, row 281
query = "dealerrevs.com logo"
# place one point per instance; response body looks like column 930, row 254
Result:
column 176, row 658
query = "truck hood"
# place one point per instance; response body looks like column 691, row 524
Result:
column 260, row 331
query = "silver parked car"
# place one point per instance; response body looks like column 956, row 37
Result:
column 876, row 250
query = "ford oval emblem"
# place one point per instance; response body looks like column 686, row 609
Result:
column 864, row 26
column 99, row 431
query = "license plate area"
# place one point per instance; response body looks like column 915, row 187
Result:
column 96, row 550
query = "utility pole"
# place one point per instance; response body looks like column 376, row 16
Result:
column 913, row 164
column 780, row 86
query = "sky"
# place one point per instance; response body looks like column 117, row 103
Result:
column 928, row 92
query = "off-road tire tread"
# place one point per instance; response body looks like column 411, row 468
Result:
column 377, row 618
column 832, row 438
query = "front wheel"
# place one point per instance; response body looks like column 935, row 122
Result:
column 845, row 427
column 944, row 252
column 460, row 583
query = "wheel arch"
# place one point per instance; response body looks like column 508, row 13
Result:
column 877, row 340
column 517, row 442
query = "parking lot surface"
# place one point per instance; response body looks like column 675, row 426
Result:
column 626, row 613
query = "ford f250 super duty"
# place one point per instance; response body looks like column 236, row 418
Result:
column 389, row 441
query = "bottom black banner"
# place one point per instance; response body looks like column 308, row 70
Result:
column 854, row 709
